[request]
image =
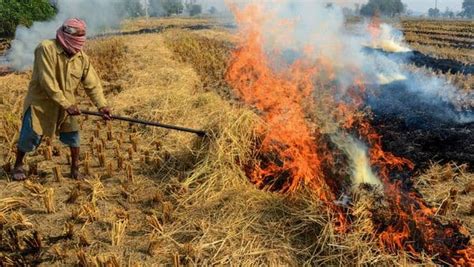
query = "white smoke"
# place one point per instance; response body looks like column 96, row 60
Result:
column 389, row 40
column 311, row 30
column 359, row 161
column 99, row 15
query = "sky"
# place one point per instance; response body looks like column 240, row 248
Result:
column 415, row 5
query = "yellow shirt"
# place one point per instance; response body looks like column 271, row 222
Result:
column 55, row 80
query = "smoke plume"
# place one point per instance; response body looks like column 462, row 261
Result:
column 312, row 31
column 98, row 14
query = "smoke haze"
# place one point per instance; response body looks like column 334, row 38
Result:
column 304, row 30
column 299, row 25
column 98, row 14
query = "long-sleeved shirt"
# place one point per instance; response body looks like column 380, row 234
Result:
column 55, row 80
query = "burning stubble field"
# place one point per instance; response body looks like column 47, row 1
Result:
column 283, row 178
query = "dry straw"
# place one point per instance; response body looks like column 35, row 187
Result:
column 130, row 176
column 118, row 232
column 12, row 203
column 49, row 202
column 48, row 153
column 97, row 189
column 58, row 177
column 110, row 169
column 120, row 162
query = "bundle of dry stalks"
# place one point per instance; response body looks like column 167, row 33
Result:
column 208, row 57
column 109, row 57
column 450, row 189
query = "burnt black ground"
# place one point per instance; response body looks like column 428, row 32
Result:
column 421, row 129
column 422, row 60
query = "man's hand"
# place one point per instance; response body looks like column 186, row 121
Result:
column 106, row 113
column 73, row 110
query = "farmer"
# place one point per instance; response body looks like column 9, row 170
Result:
column 50, row 106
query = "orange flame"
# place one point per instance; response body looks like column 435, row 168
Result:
column 279, row 97
column 291, row 150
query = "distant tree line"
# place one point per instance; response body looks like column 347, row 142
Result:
column 25, row 12
column 467, row 9
column 391, row 8
column 158, row 8
column 388, row 8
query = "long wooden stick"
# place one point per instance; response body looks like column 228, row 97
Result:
column 200, row 133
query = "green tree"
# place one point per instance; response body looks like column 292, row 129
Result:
column 467, row 9
column 433, row 12
column 165, row 7
column 195, row 10
column 389, row 8
column 22, row 12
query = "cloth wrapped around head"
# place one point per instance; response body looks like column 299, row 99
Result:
column 72, row 35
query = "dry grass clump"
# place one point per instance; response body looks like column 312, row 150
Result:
column 208, row 56
column 12, row 88
column 109, row 58
column 449, row 188
column 12, row 203
column 118, row 232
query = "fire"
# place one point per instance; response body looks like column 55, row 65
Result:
column 288, row 143
column 292, row 151
column 381, row 37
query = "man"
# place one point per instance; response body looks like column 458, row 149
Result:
column 60, row 66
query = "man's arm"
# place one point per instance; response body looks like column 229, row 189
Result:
column 93, row 87
column 47, row 78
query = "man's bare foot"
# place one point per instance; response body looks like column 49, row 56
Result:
column 18, row 174
column 76, row 174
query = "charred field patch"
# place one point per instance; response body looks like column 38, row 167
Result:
column 424, row 129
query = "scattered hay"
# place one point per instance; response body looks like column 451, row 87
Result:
column 449, row 188
column 208, row 56
column 109, row 57
column 90, row 211
column 97, row 189
column 35, row 189
column 12, row 203
column 18, row 220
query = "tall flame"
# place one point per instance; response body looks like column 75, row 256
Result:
column 287, row 141
column 300, row 104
